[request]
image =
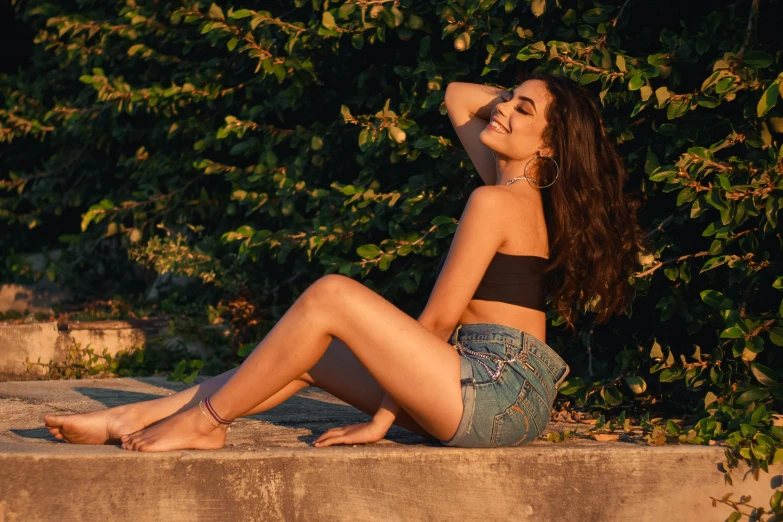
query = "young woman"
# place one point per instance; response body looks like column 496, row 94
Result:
column 474, row 369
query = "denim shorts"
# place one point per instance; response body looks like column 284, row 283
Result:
column 509, row 380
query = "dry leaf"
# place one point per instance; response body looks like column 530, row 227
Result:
column 605, row 437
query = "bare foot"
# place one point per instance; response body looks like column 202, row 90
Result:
column 186, row 430
column 96, row 427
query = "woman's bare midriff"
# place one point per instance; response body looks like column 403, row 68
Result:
column 523, row 318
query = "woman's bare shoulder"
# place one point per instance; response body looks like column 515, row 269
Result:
column 522, row 216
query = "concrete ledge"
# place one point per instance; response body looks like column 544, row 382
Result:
column 269, row 471
column 51, row 342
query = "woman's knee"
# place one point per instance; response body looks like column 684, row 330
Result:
column 326, row 290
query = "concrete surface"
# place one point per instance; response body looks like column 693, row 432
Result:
column 34, row 298
column 51, row 342
column 268, row 470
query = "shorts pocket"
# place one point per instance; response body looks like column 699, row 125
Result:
column 523, row 421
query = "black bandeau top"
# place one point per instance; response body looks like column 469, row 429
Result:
column 518, row 280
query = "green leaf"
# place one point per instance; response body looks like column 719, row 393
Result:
column 571, row 386
column 724, row 182
column 364, row 139
column 768, row 99
column 687, row 194
column 758, row 59
column 675, row 109
column 595, row 15
column 710, row 102
column 776, row 335
column 369, row 251
column 215, row 12
column 714, row 262
column 242, row 13
column 662, row 95
column 440, row 220
column 385, row 261
column 636, row 82
column 716, row 299
column 327, row 20
column 724, row 84
column 537, row 7
column 651, row 163
column 732, row 332
column 670, row 375
column 713, row 197
column 246, row 230
column 661, row 173
column 345, row 11
column 764, row 440
column 700, row 152
column 246, row 349
column 753, row 395
column 655, row 351
column 764, row 375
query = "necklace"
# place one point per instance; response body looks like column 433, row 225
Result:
column 509, row 182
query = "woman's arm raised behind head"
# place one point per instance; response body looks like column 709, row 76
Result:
column 469, row 107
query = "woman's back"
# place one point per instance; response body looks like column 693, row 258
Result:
column 526, row 234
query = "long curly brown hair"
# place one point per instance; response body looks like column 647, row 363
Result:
column 594, row 237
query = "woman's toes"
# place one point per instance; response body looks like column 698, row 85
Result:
column 133, row 440
column 127, row 442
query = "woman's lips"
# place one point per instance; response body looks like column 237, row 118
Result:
column 489, row 126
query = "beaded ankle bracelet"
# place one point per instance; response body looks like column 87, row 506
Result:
column 213, row 416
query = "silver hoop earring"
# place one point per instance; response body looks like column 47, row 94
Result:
column 530, row 181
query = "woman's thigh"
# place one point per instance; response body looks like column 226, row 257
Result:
column 340, row 373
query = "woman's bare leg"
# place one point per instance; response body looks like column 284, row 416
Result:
column 108, row 425
column 338, row 372
column 416, row 368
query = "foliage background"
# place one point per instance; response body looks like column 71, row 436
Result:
column 255, row 147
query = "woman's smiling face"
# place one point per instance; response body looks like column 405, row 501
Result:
column 523, row 119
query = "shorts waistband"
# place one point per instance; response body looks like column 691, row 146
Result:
column 520, row 339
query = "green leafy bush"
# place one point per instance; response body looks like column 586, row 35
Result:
column 258, row 150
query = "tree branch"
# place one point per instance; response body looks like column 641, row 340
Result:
column 754, row 12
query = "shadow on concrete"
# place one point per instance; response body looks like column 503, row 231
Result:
column 35, row 433
column 112, row 397
column 297, row 412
